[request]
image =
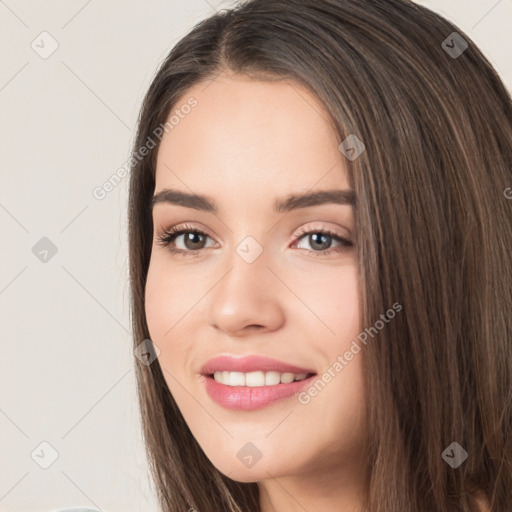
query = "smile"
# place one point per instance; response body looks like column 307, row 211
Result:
column 256, row 379
column 252, row 381
column 244, row 394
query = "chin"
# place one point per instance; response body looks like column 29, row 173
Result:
column 237, row 471
column 245, row 477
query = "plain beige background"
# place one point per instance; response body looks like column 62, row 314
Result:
column 66, row 125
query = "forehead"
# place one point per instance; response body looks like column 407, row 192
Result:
column 245, row 136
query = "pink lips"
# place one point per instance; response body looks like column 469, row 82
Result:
column 250, row 364
column 250, row 398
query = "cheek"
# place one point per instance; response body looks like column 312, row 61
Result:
column 154, row 303
column 342, row 305
column 167, row 299
column 332, row 298
column 171, row 307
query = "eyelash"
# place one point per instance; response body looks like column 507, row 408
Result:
column 168, row 236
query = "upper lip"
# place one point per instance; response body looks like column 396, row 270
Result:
column 250, row 363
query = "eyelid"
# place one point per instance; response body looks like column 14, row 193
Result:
column 180, row 229
column 321, row 226
column 305, row 229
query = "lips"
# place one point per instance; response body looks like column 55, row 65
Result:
column 247, row 398
column 250, row 364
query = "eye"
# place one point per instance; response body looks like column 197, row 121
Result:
column 321, row 240
column 193, row 239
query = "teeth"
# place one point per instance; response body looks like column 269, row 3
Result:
column 256, row 379
column 286, row 378
column 252, row 379
column 272, row 378
column 236, row 379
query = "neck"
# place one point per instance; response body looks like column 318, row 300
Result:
column 323, row 489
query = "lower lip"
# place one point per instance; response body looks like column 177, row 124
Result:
column 246, row 398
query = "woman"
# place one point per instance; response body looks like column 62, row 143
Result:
column 320, row 245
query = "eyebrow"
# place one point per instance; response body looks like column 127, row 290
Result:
column 289, row 203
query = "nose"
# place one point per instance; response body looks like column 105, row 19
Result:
column 248, row 298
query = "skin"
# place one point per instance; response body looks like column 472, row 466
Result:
column 246, row 144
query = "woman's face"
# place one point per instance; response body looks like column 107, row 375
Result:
column 254, row 284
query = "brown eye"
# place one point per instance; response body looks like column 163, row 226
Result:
column 193, row 240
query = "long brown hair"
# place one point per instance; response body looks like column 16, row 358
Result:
column 434, row 233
